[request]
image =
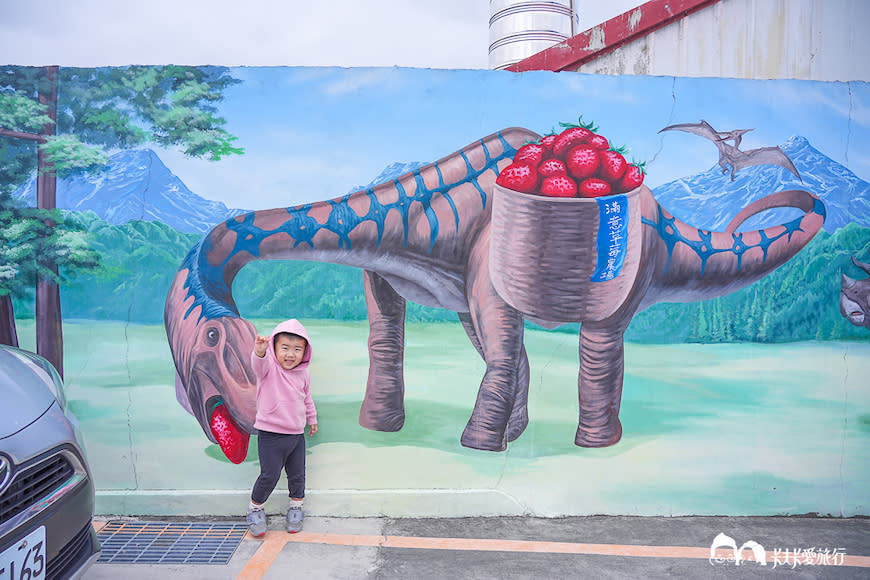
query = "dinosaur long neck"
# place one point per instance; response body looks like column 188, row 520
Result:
column 698, row 264
column 425, row 214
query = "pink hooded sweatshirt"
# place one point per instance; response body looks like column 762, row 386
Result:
column 284, row 402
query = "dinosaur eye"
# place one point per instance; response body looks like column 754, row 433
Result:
column 212, row 336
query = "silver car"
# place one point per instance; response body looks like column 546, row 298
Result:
column 46, row 489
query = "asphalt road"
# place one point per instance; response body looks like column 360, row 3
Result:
column 520, row 547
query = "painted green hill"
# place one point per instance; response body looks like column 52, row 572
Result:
column 800, row 301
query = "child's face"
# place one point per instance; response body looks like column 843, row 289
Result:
column 289, row 351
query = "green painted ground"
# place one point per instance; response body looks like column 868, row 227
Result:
column 708, row 429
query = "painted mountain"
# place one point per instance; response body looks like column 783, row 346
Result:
column 136, row 185
column 710, row 199
column 391, row 171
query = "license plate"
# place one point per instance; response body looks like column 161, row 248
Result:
column 25, row 560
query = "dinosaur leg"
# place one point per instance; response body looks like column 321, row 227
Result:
column 600, row 384
column 383, row 406
column 499, row 329
column 520, row 415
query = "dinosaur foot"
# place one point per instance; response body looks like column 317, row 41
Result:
column 484, row 439
column 517, row 424
column 380, row 419
column 604, row 436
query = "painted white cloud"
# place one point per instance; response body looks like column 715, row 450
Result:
column 384, row 79
column 825, row 95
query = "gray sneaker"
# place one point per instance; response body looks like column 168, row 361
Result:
column 295, row 515
column 256, row 522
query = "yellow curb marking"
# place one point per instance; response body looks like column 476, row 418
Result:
column 274, row 542
column 98, row 525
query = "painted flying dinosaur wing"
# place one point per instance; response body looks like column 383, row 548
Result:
column 766, row 156
column 703, row 129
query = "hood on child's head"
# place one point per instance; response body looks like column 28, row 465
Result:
column 292, row 326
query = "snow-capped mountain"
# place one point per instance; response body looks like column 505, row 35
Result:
column 709, row 200
column 391, row 171
column 136, row 185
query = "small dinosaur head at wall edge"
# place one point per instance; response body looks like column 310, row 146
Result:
column 855, row 297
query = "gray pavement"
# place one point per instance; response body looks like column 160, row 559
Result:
column 525, row 547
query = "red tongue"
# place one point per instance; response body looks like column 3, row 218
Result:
column 233, row 441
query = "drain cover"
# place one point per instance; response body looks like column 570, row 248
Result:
column 126, row 542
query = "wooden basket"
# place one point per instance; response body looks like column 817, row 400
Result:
column 549, row 257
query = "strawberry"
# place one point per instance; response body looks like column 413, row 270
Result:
column 583, row 161
column 612, row 165
column 569, row 138
column 232, row 440
column 577, row 162
column 631, row 179
column 598, row 141
column 547, row 141
column 594, row 187
column 559, row 186
column 551, row 167
column 531, row 154
column 519, row 177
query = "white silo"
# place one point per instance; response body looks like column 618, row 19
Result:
column 520, row 28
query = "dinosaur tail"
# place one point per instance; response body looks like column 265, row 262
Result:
column 401, row 219
column 803, row 200
column 699, row 264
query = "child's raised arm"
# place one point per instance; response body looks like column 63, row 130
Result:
column 260, row 345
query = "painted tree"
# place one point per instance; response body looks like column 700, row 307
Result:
column 63, row 120
column 32, row 243
column 700, row 330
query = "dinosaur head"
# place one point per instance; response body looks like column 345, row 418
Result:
column 855, row 297
column 214, row 381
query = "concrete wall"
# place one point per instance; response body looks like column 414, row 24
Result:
column 760, row 39
column 721, row 399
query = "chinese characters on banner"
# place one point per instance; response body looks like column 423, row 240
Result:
column 612, row 241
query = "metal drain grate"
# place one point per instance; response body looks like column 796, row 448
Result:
column 169, row 542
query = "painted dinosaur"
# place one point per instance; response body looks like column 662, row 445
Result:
column 855, row 297
column 425, row 237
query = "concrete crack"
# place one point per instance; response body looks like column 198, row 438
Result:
column 844, row 431
column 848, row 124
column 669, row 122
column 130, row 386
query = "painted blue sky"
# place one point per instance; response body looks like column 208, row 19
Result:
column 313, row 133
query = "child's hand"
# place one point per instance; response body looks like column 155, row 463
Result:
column 312, row 429
column 260, row 345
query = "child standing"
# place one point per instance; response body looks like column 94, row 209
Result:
column 284, row 407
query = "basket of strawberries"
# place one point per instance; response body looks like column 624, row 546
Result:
column 565, row 234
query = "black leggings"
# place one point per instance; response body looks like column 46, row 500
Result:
column 277, row 451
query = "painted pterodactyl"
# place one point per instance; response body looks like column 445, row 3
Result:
column 732, row 155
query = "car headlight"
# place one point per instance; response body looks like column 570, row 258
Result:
column 48, row 373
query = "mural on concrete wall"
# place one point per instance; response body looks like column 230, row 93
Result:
column 447, row 235
column 675, row 221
